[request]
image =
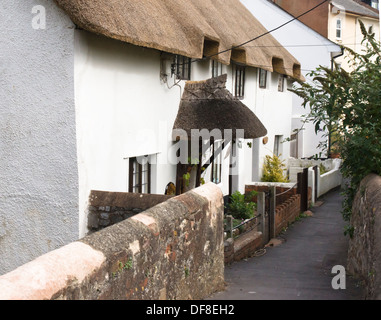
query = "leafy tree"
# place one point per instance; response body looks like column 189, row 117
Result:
column 349, row 104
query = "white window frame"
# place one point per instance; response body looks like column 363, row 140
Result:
column 339, row 29
column 262, row 78
column 278, row 145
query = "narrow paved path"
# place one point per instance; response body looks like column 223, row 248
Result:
column 300, row 267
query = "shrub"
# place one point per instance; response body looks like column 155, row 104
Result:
column 273, row 170
column 241, row 206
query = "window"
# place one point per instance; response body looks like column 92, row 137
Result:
column 183, row 68
column 338, row 29
column 277, row 145
column 239, row 89
column 294, row 145
column 375, row 4
column 262, row 78
column 281, row 83
column 217, row 162
column 216, row 68
column 139, row 175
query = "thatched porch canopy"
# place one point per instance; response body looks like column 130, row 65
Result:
column 192, row 28
column 209, row 105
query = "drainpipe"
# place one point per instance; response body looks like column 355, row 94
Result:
column 337, row 56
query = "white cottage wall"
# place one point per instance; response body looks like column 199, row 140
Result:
column 123, row 111
column 38, row 163
column 274, row 108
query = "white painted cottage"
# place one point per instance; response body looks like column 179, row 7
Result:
column 312, row 50
column 87, row 88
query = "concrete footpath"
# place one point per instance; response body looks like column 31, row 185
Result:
column 300, row 268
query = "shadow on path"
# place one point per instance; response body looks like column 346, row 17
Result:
column 301, row 267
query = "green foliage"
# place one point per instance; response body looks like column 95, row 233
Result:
column 241, row 206
column 273, row 170
column 349, row 104
column 323, row 169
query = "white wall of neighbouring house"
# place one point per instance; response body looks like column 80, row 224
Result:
column 38, row 159
column 311, row 50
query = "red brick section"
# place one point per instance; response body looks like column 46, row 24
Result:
column 242, row 247
column 287, row 213
column 246, row 245
column 279, row 190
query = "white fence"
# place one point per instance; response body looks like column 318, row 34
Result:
column 329, row 180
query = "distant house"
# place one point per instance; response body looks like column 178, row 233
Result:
column 337, row 20
column 312, row 50
column 92, row 94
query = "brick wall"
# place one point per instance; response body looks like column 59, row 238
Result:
column 243, row 246
column 286, row 213
column 174, row 250
column 279, row 190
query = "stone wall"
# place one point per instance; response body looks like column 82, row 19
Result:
column 364, row 254
column 108, row 208
column 174, row 250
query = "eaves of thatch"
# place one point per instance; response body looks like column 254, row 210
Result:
column 193, row 28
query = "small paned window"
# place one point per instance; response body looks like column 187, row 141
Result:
column 216, row 68
column 139, row 175
column 277, row 145
column 338, row 29
column 262, row 78
column 183, row 68
column 239, row 90
column 281, row 83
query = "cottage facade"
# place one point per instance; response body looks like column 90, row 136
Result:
column 312, row 50
column 91, row 93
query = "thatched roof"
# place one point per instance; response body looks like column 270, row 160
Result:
column 209, row 105
column 193, row 28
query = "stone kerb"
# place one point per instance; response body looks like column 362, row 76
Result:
column 174, row 250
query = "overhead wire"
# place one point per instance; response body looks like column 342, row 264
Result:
column 262, row 35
